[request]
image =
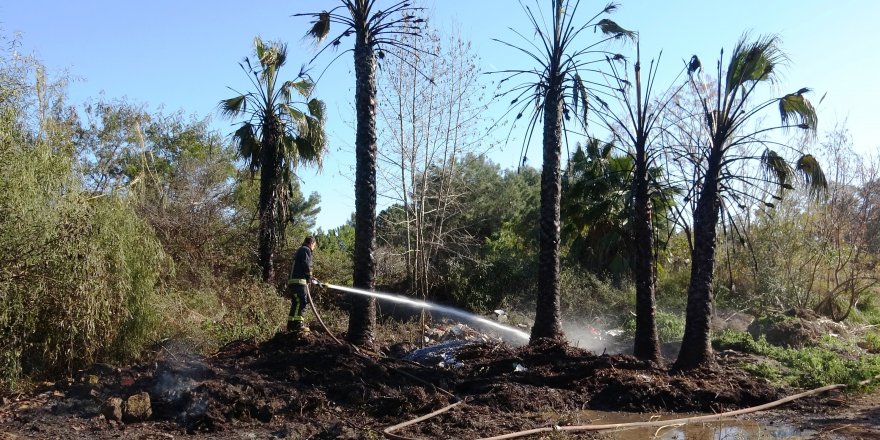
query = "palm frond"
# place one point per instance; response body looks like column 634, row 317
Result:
column 753, row 61
column 796, row 109
column 813, row 176
column 609, row 27
column 233, row 106
column 581, row 98
column 248, row 145
column 317, row 109
column 310, row 146
column 259, row 48
column 776, row 167
column 303, row 86
column 320, row 27
column 298, row 118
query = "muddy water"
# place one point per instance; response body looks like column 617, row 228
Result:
column 732, row 429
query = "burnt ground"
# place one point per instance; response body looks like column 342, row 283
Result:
column 315, row 388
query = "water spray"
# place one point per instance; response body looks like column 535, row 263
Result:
column 432, row 306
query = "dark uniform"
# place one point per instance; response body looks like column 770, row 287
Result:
column 298, row 287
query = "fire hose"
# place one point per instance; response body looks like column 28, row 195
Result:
column 318, row 315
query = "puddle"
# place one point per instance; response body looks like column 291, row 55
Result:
column 731, row 429
column 725, row 430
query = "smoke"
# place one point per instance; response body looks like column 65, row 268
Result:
column 592, row 337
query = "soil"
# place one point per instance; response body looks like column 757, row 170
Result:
column 314, row 388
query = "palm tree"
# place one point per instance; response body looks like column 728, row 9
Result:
column 558, row 93
column 275, row 136
column 372, row 28
column 595, row 208
column 635, row 125
column 725, row 110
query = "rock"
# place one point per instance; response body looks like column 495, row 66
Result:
column 112, row 409
column 137, row 408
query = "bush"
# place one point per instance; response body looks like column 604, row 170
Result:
column 584, row 295
column 214, row 315
column 670, row 327
column 78, row 271
column 81, row 274
column 809, row 367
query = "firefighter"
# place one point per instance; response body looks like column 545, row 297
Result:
column 298, row 285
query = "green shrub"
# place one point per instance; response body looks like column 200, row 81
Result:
column 82, row 274
column 809, row 367
column 218, row 313
column 763, row 369
column 670, row 327
column 78, row 271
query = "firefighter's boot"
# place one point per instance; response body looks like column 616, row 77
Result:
column 297, row 327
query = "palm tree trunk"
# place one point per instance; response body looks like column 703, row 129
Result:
column 362, row 319
column 696, row 348
column 547, row 321
column 268, row 176
column 647, row 344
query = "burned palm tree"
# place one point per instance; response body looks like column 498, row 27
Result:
column 558, row 91
column 635, row 125
column 725, row 110
column 277, row 133
column 373, row 29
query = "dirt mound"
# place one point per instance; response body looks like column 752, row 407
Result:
column 316, row 388
column 796, row 328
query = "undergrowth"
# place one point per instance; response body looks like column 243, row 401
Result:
column 808, row 367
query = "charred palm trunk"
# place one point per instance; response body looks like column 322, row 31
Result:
column 269, row 173
column 547, row 323
column 362, row 318
column 647, row 345
column 696, row 349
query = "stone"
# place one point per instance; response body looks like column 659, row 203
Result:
column 112, row 409
column 137, row 408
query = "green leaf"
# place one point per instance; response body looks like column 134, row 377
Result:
column 752, row 61
column 317, row 109
column 796, row 109
column 776, row 167
column 811, row 173
column 609, row 27
column 233, row 106
column 303, row 86
column 581, row 91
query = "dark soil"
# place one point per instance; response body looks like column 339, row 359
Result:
column 314, row 388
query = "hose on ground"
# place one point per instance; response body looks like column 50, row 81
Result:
column 620, row 426
column 318, row 317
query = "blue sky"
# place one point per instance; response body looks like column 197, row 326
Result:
column 182, row 55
